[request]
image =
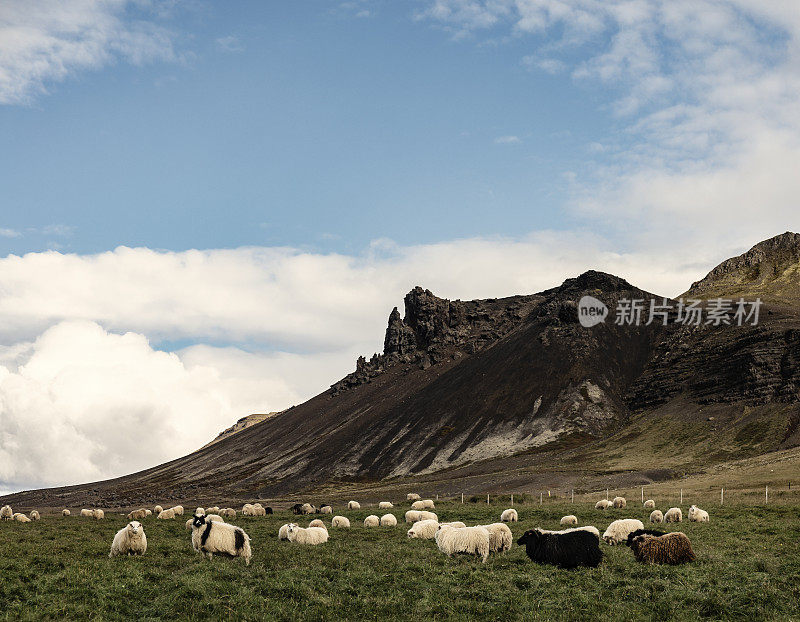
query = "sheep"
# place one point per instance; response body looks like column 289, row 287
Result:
column 167, row 514
column 619, row 503
column 6, row 513
column 317, row 523
column 65, row 512
column 372, row 521
column 423, row 530
column 509, row 516
column 428, row 516
column 385, row 505
column 500, row 537
column 418, row 505
column 672, row 548
column 642, row 532
column 455, row 523
column 570, row 519
column 189, row 522
column 656, row 516
column 428, row 504
column 213, row 510
column 283, row 532
column 86, row 513
column 673, row 515
column 297, row 508
column 157, row 510
column 21, row 518
column 603, row 504
column 326, row 509
column 618, row 530
column 199, row 512
column 98, row 514
column 565, row 550
column 211, row 537
column 307, row 508
column 178, row 510
column 412, row 516
column 412, row 496
column 649, row 504
column 216, row 518
column 696, row 515
column 310, row 535
column 470, row 540
column 228, row 513
column 130, row 540
column 148, row 512
column 590, row 528
column 136, row 515
column 388, row 520
column 267, row 510
column 353, row 505
column 341, row 522
column 35, row 515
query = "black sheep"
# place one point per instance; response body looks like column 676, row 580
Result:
column 641, row 532
column 297, row 508
column 565, row 550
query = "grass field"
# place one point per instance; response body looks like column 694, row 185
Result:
column 748, row 568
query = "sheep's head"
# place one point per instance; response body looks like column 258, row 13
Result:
column 198, row 520
column 530, row 537
column 411, row 533
column 135, row 528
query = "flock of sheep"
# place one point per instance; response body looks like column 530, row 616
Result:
column 569, row 548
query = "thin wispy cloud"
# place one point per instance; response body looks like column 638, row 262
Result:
column 507, row 140
column 230, row 43
column 9, row 233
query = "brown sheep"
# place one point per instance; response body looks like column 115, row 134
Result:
column 672, row 548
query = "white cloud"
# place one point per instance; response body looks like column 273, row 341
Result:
column 46, row 41
column 9, row 233
column 507, row 140
column 230, row 43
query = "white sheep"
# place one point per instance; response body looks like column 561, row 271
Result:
column 656, row 516
column 570, row 519
column 148, row 512
column 428, row 516
column 167, row 514
column 418, row 505
column 35, row 515
column 228, row 513
column 428, row 503
column 509, row 516
column 248, row 510
column 456, row 523
column 137, row 514
column 209, row 537
column 130, row 540
column 412, row 516
column 6, row 513
column 618, row 531
column 216, row 518
column 388, row 520
column 353, row 505
column 412, row 496
column 283, row 532
column 311, row 535
column 673, row 515
column 157, row 510
column 340, row 521
column 500, row 537
column 372, row 521
column 86, row 513
column 619, row 503
column 21, row 518
column 696, row 515
column 589, row 528
column 385, row 505
column 603, row 504
column 317, row 523
column 649, row 504
column 306, row 508
column 178, row 510
column 199, row 512
column 470, row 540
column 326, row 509
column 98, row 514
column 423, row 530
column 212, row 510
column 65, row 512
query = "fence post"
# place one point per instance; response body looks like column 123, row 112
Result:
column 541, row 497
column 487, row 498
column 766, row 494
column 437, row 496
column 606, row 494
column 642, row 494
column 722, row 496
column 681, row 496
column 462, row 498
column 512, row 498
column 573, row 495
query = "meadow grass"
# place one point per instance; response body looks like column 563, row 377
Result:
column 748, row 568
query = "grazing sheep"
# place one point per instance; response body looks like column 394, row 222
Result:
column 341, row 522
column 649, row 504
column 372, row 521
column 317, row 523
column 590, row 528
column 228, row 513
column 423, row 530
column 157, row 510
column 618, row 531
column 642, row 532
column 189, row 524
column 326, row 509
column 297, row 508
column 167, row 514
column 353, row 505
column 247, row 509
column 388, row 520
column 428, row 516
column 470, row 540
column 455, row 523
column 656, row 516
column 500, row 537
column 6, row 513
column 148, row 512
column 178, row 510
column 21, row 518
column 98, row 514
column 35, row 515
column 86, row 513
column 268, row 510
column 130, row 540
column 509, row 516
column 570, row 519
column 603, row 504
column 696, row 515
column 211, row 537
column 565, row 550
column 412, row 516
column 137, row 514
column 311, row 535
column 307, row 508
column 385, row 505
column 673, row 515
column 65, row 512
column 619, row 503
column 412, row 496
column 283, row 532
column 214, row 518
column 428, row 503
column 672, row 548
column 213, row 510
column 418, row 505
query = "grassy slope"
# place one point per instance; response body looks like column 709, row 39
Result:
column 748, row 568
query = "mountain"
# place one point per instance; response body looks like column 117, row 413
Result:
column 502, row 394
column 243, row 423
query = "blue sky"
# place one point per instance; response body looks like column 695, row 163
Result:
column 209, row 209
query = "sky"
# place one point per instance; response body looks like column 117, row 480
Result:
column 209, row 209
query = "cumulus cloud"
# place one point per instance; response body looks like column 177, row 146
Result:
column 46, row 41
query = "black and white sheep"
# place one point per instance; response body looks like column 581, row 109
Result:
column 565, row 550
column 209, row 537
column 130, row 540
